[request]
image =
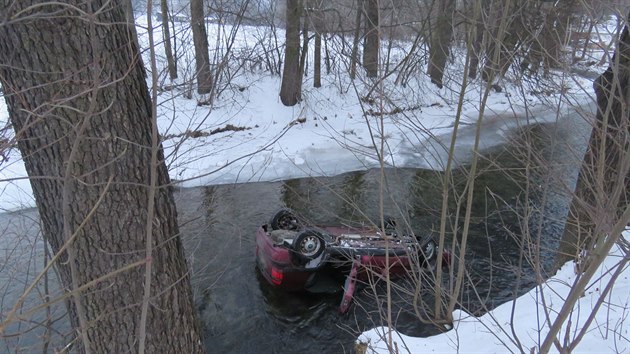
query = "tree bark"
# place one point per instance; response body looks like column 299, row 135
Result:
column 600, row 210
column 477, row 42
column 372, row 39
column 318, row 28
column 77, row 98
column 168, row 51
column 317, row 64
column 200, row 40
column 355, row 42
column 131, row 21
column 304, row 51
column 441, row 42
column 290, row 89
column 504, row 39
column 603, row 183
column 327, row 58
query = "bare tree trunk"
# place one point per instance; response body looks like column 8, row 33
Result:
column 603, row 163
column 318, row 28
column 200, row 39
column 327, row 58
column 77, row 97
column 477, row 42
column 304, row 52
column 372, row 38
column 168, row 51
column 587, row 40
column 600, row 208
column 441, row 42
column 317, row 65
column 355, row 42
column 499, row 54
column 290, row 89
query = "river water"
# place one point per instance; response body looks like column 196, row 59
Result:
column 241, row 313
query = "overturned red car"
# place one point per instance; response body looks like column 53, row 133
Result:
column 291, row 255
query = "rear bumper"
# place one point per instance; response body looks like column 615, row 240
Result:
column 276, row 265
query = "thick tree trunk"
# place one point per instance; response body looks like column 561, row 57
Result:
column 200, row 39
column 600, row 193
column 372, row 39
column 441, row 42
column 168, row 51
column 600, row 206
column 78, row 101
column 290, row 89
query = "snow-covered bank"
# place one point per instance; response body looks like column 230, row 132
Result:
column 495, row 331
column 248, row 135
column 255, row 138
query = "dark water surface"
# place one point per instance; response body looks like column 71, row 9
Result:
column 241, row 313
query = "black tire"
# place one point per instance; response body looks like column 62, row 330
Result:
column 284, row 219
column 309, row 244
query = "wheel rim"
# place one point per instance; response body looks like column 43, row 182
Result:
column 429, row 250
column 310, row 245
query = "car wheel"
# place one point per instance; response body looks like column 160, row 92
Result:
column 429, row 250
column 284, row 219
column 309, row 244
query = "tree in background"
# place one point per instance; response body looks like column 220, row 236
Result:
column 354, row 56
column 305, row 42
column 501, row 37
column 168, row 51
column 441, row 41
column 77, row 97
column 476, row 29
column 317, row 21
column 290, row 89
column 200, row 39
column 372, row 38
column 556, row 32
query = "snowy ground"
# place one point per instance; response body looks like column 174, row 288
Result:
column 526, row 317
column 330, row 133
column 326, row 134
